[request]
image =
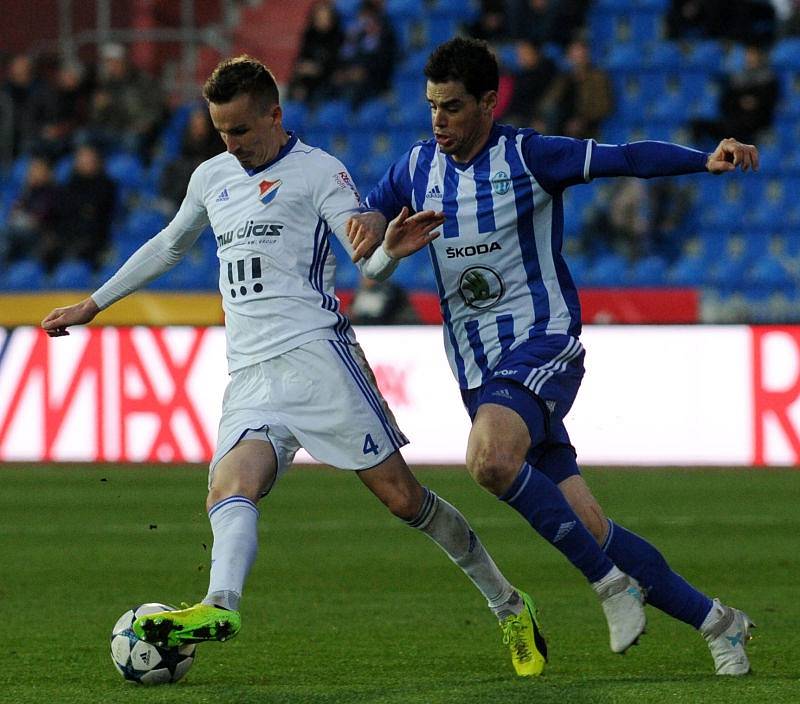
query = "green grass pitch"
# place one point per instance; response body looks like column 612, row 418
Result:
column 345, row 604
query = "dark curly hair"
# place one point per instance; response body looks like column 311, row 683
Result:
column 241, row 74
column 469, row 61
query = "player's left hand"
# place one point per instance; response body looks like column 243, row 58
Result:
column 408, row 234
column 731, row 154
column 365, row 232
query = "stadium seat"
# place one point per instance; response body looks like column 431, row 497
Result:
column 372, row 114
column 295, row 114
column 71, row 275
column 26, row 275
column 688, row 271
column 609, row 270
column 786, row 54
column 332, row 115
column 649, row 271
column 706, row 55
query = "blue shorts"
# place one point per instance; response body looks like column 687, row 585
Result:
column 539, row 381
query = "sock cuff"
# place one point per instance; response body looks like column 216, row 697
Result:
column 609, row 537
column 518, row 485
column 231, row 501
column 429, row 505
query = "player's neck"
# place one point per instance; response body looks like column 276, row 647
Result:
column 481, row 138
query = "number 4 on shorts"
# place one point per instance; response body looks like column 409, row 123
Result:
column 369, row 445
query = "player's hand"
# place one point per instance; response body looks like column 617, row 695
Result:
column 58, row 320
column 365, row 232
column 408, row 234
column 731, row 154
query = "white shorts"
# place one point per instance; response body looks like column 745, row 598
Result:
column 321, row 396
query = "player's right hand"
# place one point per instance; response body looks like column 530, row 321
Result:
column 58, row 320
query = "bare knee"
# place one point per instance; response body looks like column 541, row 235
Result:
column 492, row 467
column 248, row 470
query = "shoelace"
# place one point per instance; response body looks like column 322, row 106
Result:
column 512, row 629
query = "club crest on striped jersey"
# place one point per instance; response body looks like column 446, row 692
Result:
column 501, row 183
column 267, row 190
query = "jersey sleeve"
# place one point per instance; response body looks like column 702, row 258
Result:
column 557, row 162
column 393, row 191
column 645, row 159
column 336, row 200
column 161, row 252
column 333, row 193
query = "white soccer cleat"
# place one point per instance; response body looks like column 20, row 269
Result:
column 623, row 604
column 726, row 635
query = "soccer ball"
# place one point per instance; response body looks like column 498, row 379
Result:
column 145, row 663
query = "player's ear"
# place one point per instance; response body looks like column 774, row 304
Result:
column 489, row 101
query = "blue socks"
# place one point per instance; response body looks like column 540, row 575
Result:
column 543, row 505
column 665, row 589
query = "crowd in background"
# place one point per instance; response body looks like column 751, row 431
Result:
column 69, row 118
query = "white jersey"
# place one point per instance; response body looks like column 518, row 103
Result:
column 272, row 226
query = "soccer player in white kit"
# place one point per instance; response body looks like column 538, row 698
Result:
column 298, row 376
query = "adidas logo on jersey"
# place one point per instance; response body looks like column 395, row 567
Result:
column 223, row 196
column 503, row 393
column 435, row 193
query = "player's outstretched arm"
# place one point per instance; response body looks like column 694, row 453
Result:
column 58, row 320
column 731, row 154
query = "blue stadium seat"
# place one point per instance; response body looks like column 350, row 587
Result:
column 372, row 114
column 665, row 56
column 646, row 26
column 688, row 271
column 706, row 55
column 404, row 8
column 331, row 115
column 786, row 54
column 26, row 275
column 769, row 271
column 71, row 275
column 127, row 171
column 649, row 271
column 609, row 270
column 63, row 169
column 295, row 114
column 623, row 57
column 412, row 66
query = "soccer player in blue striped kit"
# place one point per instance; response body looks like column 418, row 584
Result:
column 512, row 317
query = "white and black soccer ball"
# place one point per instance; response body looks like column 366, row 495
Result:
column 142, row 662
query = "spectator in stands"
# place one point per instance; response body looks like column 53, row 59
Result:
column 19, row 86
column 34, row 216
column 127, row 106
column 531, row 80
column 636, row 218
column 544, row 21
column 58, row 107
column 367, row 57
column 790, row 20
column 381, row 303
column 88, row 201
column 491, row 24
column 200, row 142
column 580, row 98
column 318, row 55
column 739, row 20
column 747, row 101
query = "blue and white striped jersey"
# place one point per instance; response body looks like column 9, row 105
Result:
column 498, row 264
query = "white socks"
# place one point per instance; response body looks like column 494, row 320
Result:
column 234, row 522
column 443, row 524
